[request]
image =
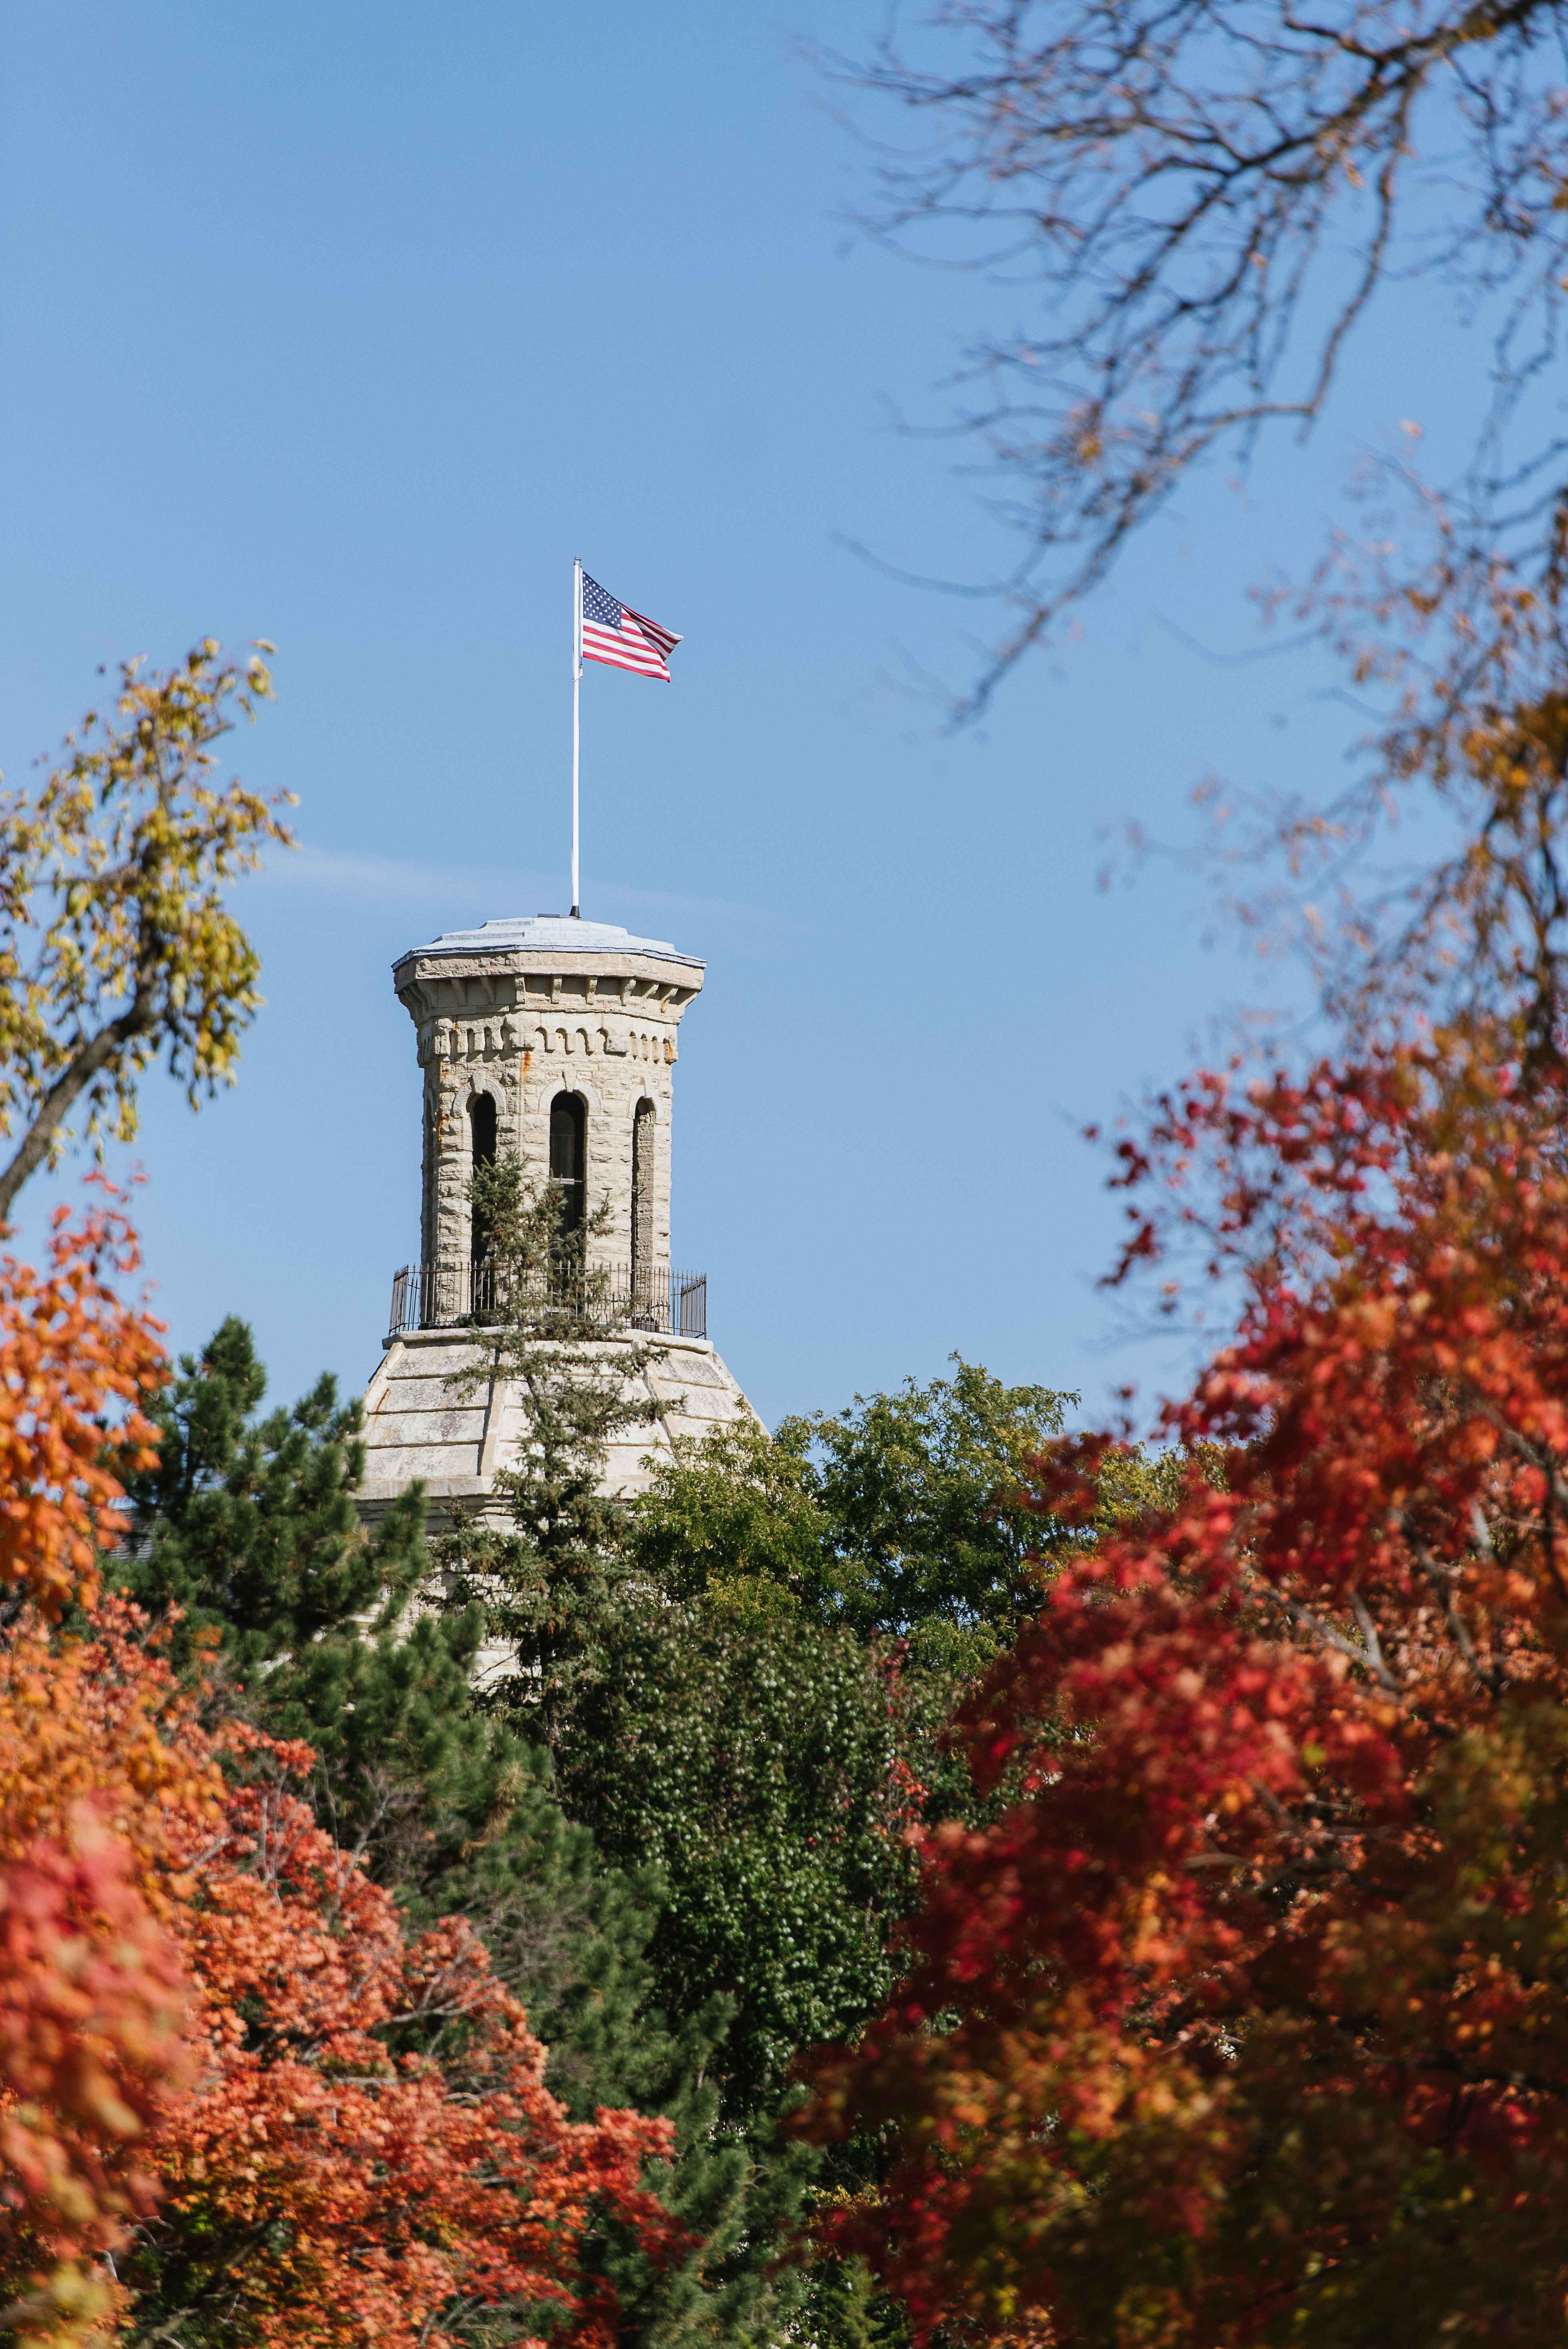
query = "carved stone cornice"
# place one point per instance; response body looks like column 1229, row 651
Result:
column 545, row 964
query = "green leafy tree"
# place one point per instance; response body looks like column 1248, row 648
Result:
column 734, row 1516
column 752, row 1754
column 716, row 1670
column 931, row 1538
column 901, row 1517
column 901, row 1521
column 779, row 1642
column 755, row 1759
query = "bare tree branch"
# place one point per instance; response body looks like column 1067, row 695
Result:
column 1205, row 200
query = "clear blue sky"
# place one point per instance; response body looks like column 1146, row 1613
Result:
column 347, row 326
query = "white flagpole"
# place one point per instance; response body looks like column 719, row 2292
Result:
column 576, row 714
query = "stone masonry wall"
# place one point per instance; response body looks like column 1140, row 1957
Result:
column 524, row 1026
column 524, row 1010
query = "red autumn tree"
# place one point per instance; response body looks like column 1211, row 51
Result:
column 1246, row 2020
column 369, row 2154
column 230, row 2069
column 237, row 2102
column 92, row 1986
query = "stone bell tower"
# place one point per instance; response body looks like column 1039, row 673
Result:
column 553, row 1038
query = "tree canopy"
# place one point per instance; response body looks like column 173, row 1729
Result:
column 114, row 943
column 1251, row 1996
column 900, row 1518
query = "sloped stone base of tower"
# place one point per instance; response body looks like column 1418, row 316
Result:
column 417, row 1426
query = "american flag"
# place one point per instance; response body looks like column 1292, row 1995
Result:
column 622, row 638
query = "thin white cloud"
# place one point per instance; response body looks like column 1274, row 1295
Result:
column 473, row 892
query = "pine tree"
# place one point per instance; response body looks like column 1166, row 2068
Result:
column 248, row 1525
column 552, row 1333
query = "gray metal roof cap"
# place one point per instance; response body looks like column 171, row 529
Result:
column 551, row 934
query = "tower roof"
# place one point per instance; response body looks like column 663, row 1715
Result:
column 552, row 934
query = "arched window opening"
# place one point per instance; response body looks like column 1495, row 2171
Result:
column 429, row 1190
column 481, row 1153
column 642, row 1142
column 569, row 1157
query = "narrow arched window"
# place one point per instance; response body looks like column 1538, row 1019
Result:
column 642, row 1133
column 569, row 1157
column 481, row 1153
column 429, row 1187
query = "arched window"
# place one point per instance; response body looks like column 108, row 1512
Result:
column 481, row 1153
column 643, row 1136
column 569, row 1157
column 429, row 1185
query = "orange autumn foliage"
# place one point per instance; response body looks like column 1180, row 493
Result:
column 72, row 1354
column 94, row 1988
column 238, row 2101
column 370, row 2142
column 92, row 1998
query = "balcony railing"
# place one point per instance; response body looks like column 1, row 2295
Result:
column 448, row 1296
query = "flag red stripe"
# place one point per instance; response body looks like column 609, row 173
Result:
column 630, row 648
column 633, row 638
column 627, row 646
column 639, row 644
column 657, row 642
column 639, row 668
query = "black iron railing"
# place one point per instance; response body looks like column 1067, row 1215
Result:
column 446, row 1295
